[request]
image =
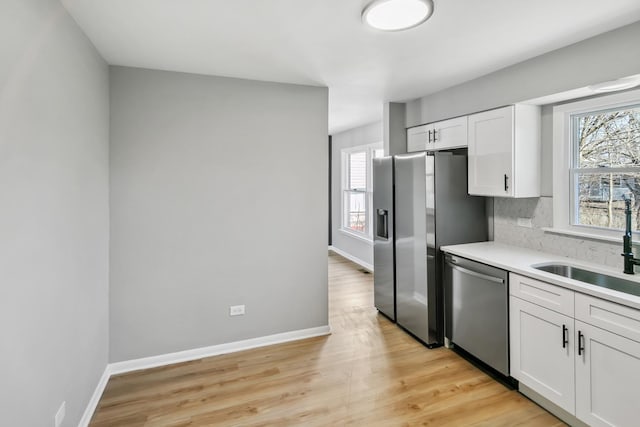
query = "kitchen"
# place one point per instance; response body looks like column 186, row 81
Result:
column 526, row 224
column 512, row 308
column 112, row 166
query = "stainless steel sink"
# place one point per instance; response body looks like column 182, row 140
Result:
column 591, row 277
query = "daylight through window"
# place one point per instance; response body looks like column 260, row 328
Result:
column 357, row 194
column 605, row 166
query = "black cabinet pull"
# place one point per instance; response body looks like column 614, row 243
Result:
column 580, row 345
column 429, row 136
column 506, row 184
column 565, row 336
column 434, row 135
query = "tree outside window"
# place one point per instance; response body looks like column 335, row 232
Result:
column 606, row 167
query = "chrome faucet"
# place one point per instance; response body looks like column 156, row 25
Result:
column 627, row 244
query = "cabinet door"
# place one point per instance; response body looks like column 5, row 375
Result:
column 542, row 351
column 607, row 378
column 491, row 139
column 450, row 133
column 418, row 138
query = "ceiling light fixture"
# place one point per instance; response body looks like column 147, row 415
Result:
column 397, row 15
column 618, row 84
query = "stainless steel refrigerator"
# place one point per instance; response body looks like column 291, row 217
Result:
column 420, row 202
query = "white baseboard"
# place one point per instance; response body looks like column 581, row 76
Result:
column 214, row 350
column 350, row 257
column 194, row 354
column 95, row 398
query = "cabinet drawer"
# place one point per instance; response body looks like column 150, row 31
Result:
column 543, row 294
column 607, row 315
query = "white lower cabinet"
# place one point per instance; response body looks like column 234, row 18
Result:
column 541, row 355
column 607, row 378
column 590, row 372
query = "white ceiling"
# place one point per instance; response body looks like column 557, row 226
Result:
column 323, row 42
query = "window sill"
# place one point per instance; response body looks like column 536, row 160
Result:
column 585, row 235
column 357, row 236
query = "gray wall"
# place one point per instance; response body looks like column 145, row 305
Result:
column 605, row 57
column 218, row 198
column 368, row 134
column 54, row 131
column 394, row 131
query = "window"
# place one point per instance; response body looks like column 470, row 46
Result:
column 356, row 186
column 597, row 164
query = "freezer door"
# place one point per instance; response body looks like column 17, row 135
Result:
column 383, row 236
column 412, row 297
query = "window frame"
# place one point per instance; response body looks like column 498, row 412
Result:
column 369, row 149
column 564, row 185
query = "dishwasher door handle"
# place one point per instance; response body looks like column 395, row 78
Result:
column 478, row 275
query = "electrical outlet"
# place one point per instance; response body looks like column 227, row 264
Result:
column 236, row 310
column 60, row 414
column 525, row 222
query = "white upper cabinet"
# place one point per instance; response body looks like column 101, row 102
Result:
column 450, row 133
column 441, row 135
column 418, row 138
column 504, row 152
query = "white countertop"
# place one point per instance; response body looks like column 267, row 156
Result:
column 519, row 260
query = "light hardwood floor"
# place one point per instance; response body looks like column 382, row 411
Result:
column 367, row 372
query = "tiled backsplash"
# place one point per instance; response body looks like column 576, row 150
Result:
column 540, row 210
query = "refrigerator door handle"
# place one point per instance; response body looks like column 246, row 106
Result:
column 382, row 224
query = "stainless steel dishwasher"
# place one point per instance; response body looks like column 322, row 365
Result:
column 476, row 310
